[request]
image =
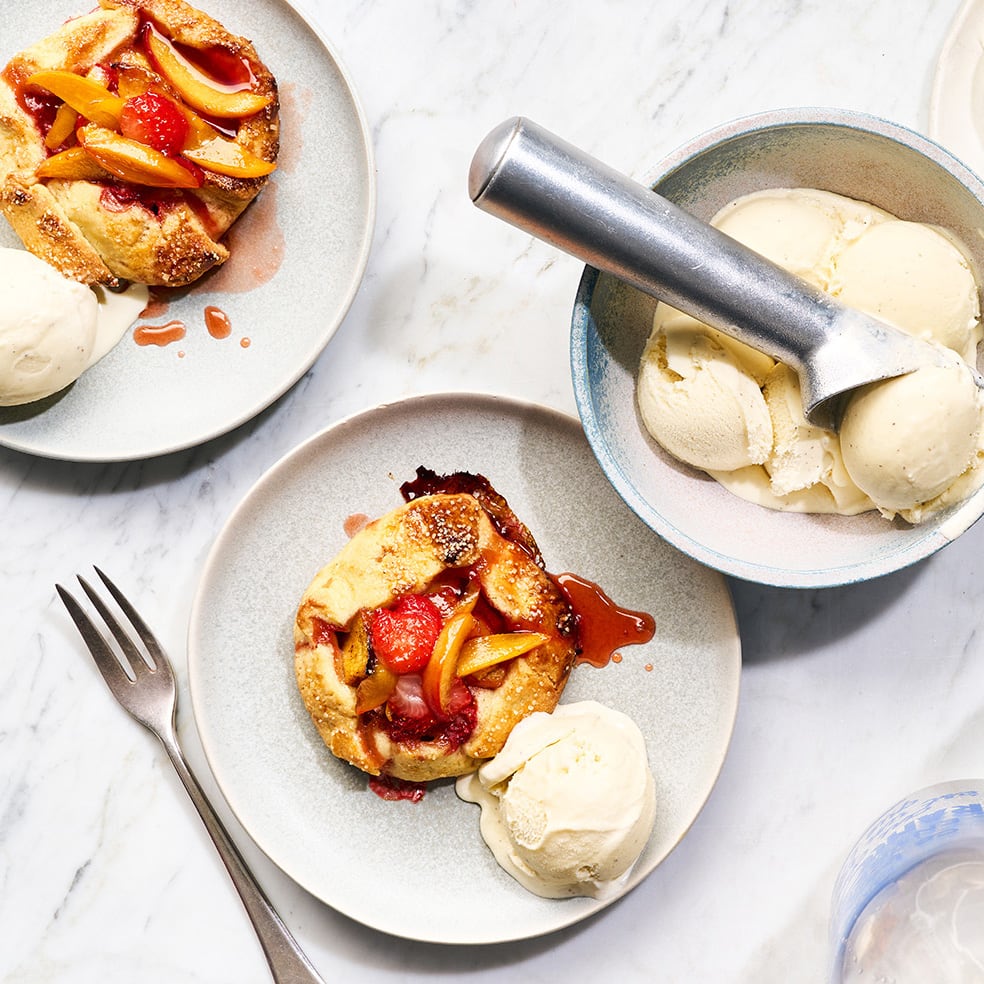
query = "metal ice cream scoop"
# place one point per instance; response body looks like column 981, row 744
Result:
column 532, row 179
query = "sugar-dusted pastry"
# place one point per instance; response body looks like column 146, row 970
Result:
column 131, row 138
column 431, row 634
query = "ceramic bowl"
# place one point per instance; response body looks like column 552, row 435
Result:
column 848, row 153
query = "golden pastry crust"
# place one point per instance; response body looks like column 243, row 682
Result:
column 405, row 552
column 84, row 226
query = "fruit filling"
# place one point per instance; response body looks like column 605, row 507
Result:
column 155, row 120
column 414, row 663
column 403, row 636
column 158, row 116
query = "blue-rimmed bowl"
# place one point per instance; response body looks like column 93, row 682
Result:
column 835, row 150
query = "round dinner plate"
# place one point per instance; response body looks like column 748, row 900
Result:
column 421, row 870
column 298, row 254
column 956, row 111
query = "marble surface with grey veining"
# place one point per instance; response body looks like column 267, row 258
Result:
column 851, row 697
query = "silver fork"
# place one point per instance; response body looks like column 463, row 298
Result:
column 144, row 684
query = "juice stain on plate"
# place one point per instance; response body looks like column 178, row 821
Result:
column 354, row 523
column 603, row 626
column 172, row 331
column 217, row 322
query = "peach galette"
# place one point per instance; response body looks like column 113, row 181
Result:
column 131, row 138
column 432, row 633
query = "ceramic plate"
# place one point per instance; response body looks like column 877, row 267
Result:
column 313, row 814
column 956, row 113
column 298, row 255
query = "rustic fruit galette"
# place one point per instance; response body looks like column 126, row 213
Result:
column 131, row 139
column 432, row 633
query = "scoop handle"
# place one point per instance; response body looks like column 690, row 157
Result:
column 532, row 179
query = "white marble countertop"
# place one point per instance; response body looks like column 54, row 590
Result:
column 850, row 697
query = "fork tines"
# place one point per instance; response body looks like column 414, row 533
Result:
column 153, row 657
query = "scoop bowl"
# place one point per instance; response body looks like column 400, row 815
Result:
column 847, row 153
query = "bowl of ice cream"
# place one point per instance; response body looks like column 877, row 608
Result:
column 705, row 439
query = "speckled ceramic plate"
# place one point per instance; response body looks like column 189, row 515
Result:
column 298, row 256
column 956, row 110
column 313, row 814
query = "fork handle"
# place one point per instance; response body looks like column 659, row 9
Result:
column 287, row 962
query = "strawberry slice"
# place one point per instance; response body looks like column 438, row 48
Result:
column 408, row 716
column 407, row 700
column 156, row 121
column 403, row 636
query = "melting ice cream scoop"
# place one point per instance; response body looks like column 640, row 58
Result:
column 51, row 328
column 569, row 803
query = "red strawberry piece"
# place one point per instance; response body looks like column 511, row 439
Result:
column 403, row 636
column 407, row 699
column 465, row 716
column 408, row 717
column 154, row 120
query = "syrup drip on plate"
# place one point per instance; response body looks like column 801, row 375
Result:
column 160, row 335
column 603, row 627
column 355, row 523
column 217, row 322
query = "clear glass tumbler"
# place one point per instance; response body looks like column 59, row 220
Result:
column 908, row 904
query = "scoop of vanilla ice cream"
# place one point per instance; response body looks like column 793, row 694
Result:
column 802, row 230
column 913, row 277
column 699, row 403
column 802, row 454
column 907, row 440
column 909, row 274
column 52, row 329
column 569, row 803
column 48, row 328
